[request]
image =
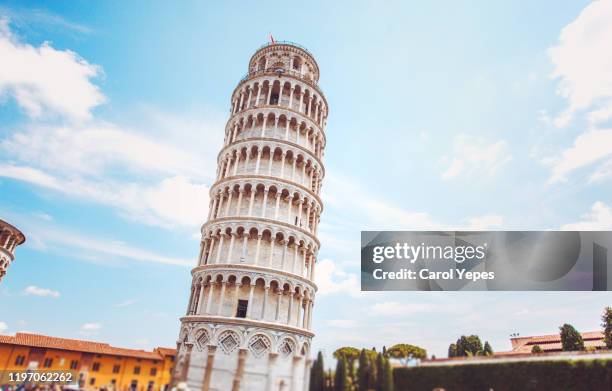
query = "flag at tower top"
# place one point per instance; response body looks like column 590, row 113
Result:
column 272, row 39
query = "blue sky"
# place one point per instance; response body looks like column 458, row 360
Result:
column 472, row 115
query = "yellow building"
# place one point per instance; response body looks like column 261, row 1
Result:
column 95, row 365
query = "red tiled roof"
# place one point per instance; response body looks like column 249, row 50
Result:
column 166, row 351
column 44, row 341
column 552, row 342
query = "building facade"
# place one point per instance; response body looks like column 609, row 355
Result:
column 94, row 365
column 248, row 322
column 10, row 238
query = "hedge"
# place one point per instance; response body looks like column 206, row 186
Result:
column 587, row 375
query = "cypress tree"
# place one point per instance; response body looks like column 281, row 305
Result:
column 487, row 350
column 363, row 371
column 341, row 375
column 380, row 371
column 317, row 374
column 571, row 340
column 387, row 376
column 606, row 323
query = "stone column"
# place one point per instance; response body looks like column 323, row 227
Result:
column 271, row 371
column 271, row 252
column 186, row 361
column 299, row 314
column 212, row 248
column 290, row 313
column 242, row 354
column 253, row 191
column 279, row 292
column 229, row 202
column 250, row 307
column 284, row 243
column 295, row 372
column 277, row 205
column 211, row 292
column 259, row 235
column 265, row 302
column 210, row 360
column 264, row 203
column 239, row 204
column 220, row 248
column 248, row 104
column 222, row 299
column 258, row 162
column 231, row 247
column 258, row 95
column 201, row 300
column 245, row 239
column 283, row 157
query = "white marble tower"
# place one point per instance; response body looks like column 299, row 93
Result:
column 10, row 238
column 248, row 322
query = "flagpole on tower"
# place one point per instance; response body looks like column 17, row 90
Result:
column 272, row 41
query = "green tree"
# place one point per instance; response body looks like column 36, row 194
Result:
column 536, row 349
column 571, row 340
column 386, row 376
column 363, row 371
column 406, row 352
column 606, row 323
column 487, row 350
column 469, row 346
column 317, row 374
column 380, row 370
column 341, row 382
column 452, row 350
column 351, row 355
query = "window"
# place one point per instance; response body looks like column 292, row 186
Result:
column 274, row 99
column 95, row 367
column 20, row 360
column 116, row 368
column 113, row 381
column 48, row 362
column 242, row 308
column 136, row 370
column 92, row 381
column 74, row 364
column 150, row 386
column 297, row 63
column 153, row 371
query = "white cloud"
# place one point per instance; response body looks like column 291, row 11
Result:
column 159, row 176
column 126, row 303
column 3, row 327
column 394, row 308
column 95, row 149
column 342, row 323
column 106, row 247
column 44, row 80
column 598, row 218
column 90, row 328
column 33, row 290
column 582, row 60
column 31, row 175
column 474, row 156
column 331, row 279
column 174, row 200
column 589, row 148
column 485, row 222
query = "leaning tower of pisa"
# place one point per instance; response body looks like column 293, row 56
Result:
column 248, row 322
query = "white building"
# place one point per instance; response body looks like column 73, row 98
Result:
column 10, row 238
column 248, row 323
